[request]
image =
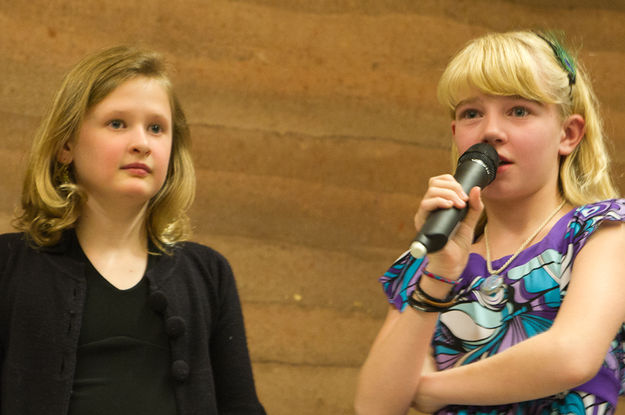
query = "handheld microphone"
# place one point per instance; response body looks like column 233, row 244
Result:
column 476, row 167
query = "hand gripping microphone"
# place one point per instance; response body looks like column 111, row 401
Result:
column 476, row 167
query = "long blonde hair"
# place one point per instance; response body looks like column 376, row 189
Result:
column 524, row 63
column 52, row 201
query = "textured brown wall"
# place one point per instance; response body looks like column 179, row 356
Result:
column 314, row 126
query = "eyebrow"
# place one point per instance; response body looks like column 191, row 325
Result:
column 123, row 113
column 522, row 98
column 467, row 101
column 473, row 100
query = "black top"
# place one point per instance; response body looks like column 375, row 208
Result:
column 123, row 362
column 42, row 304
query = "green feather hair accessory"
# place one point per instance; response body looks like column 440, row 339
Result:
column 566, row 61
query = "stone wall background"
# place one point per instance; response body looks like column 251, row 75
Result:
column 315, row 125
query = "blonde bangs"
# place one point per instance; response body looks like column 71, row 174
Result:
column 495, row 65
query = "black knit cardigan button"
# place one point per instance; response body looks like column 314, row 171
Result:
column 175, row 326
column 180, row 370
column 157, row 301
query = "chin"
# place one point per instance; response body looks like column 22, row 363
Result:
column 141, row 195
column 496, row 192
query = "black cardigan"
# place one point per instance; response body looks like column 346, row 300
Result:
column 42, row 293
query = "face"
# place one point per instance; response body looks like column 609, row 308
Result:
column 529, row 136
column 124, row 144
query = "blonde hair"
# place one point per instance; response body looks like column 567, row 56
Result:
column 524, row 63
column 51, row 200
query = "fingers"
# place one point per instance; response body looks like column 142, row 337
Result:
column 443, row 192
column 451, row 260
column 464, row 234
column 475, row 207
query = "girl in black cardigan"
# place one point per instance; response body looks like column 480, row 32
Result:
column 103, row 308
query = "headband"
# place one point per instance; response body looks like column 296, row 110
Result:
column 563, row 57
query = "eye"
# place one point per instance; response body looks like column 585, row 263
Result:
column 116, row 124
column 155, row 129
column 520, row 112
column 469, row 114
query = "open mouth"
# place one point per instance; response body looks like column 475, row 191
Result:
column 504, row 161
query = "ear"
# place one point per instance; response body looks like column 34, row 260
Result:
column 453, row 128
column 65, row 154
column 573, row 131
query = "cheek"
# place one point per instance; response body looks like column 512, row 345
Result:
column 543, row 146
column 90, row 157
column 464, row 141
column 161, row 155
column 465, row 135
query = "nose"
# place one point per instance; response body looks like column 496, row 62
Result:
column 140, row 142
column 494, row 131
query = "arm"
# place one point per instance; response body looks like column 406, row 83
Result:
column 391, row 373
column 567, row 355
column 1, row 371
column 234, row 382
column 4, row 253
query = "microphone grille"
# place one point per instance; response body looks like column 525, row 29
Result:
column 485, row 153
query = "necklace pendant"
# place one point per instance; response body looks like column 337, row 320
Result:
column 492, row 284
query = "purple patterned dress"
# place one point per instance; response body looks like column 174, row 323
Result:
column 536, row 282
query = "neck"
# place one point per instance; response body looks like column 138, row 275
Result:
column 518, row 214
column 512, row 222
column 106, row 228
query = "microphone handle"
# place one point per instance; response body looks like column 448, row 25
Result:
column 442, row 222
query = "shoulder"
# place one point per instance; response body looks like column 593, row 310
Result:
column 587, row 220
column 201, row 259
column 15, row 253
column 21, row 243
column 192, row 270
column 10, row 239
column 12, row 242
column 197, row 251
column 611, row 209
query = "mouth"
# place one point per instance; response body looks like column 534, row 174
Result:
column 138, row 167
column 503, row 161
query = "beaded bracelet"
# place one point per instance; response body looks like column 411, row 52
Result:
column 422, row 301
column 437, row 302
column 439, row 278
